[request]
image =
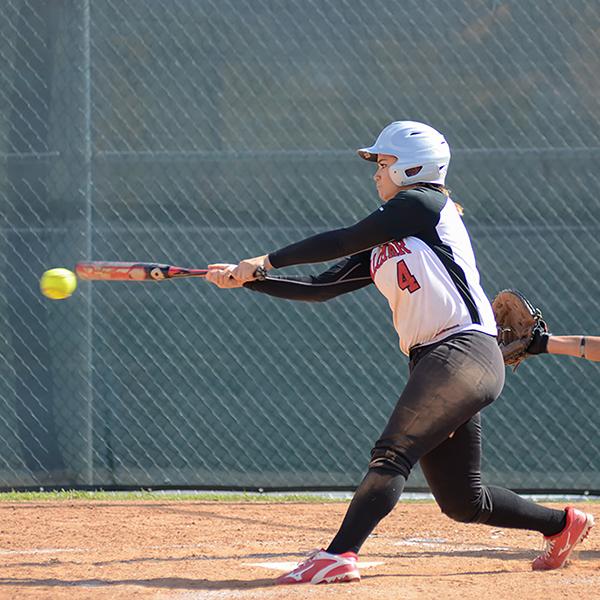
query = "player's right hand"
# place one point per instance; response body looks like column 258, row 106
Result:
column 220, row 275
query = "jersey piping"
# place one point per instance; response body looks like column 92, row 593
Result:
column 457, row 274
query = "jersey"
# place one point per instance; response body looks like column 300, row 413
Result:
column 416, row 250
column 431, row 282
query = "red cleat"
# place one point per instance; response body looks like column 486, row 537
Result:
column 559, row 547
column 323, row 567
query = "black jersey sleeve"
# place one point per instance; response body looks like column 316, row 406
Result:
column 408, row 213
column 348, row 275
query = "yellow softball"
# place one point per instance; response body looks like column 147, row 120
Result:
column 58, row 284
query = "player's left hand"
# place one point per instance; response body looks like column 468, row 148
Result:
column 539, row 342
column 221, row 275
column 246, row 270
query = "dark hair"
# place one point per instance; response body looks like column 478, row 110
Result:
column 438, row 187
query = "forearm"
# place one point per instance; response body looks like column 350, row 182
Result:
column 304, row 289
column 571, row 345
column 348, row 275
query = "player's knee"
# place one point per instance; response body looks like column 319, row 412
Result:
column 465, row 510
column 462, row 514
column 390, row 460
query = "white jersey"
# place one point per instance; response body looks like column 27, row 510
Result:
column 431, row 283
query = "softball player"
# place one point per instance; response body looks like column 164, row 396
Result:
column 417, row 252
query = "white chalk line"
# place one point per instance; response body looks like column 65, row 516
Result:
column 41, row 551
column 446, row 545
column 60, row 550
column 417, row 542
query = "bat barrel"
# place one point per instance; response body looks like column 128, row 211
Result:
column 130, row 271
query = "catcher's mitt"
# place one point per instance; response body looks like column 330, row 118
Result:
column 518, row 322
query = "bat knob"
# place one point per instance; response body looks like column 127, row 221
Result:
column 260, row 274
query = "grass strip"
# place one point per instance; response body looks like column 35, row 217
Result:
column 166, row 496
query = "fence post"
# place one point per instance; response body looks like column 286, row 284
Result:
column 70, row 235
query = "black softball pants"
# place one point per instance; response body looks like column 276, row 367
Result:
column 436, row 422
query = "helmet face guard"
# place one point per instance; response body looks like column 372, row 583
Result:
column 422, row 152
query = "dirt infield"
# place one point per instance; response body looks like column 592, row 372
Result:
column 208, row 550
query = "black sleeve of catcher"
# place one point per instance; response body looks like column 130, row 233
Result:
column 346, row 276
column 408, row 213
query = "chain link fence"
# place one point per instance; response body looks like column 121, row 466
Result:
column 198, row 131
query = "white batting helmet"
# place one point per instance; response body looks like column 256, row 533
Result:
column 422, row 152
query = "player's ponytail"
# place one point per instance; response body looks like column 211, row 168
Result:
column 438, row 187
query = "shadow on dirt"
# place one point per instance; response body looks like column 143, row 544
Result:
column 426, row 575
column 516, row 554
column 217, row 516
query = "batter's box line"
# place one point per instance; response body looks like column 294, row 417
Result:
column 86, row 550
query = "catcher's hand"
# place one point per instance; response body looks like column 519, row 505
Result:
column 521, row 330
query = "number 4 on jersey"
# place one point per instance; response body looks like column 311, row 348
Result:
column 406, row 280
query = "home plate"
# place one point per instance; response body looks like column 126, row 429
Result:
column 289, row 566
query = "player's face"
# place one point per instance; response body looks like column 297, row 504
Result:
column 386, row 188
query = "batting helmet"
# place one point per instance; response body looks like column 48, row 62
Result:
column 422, row 152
